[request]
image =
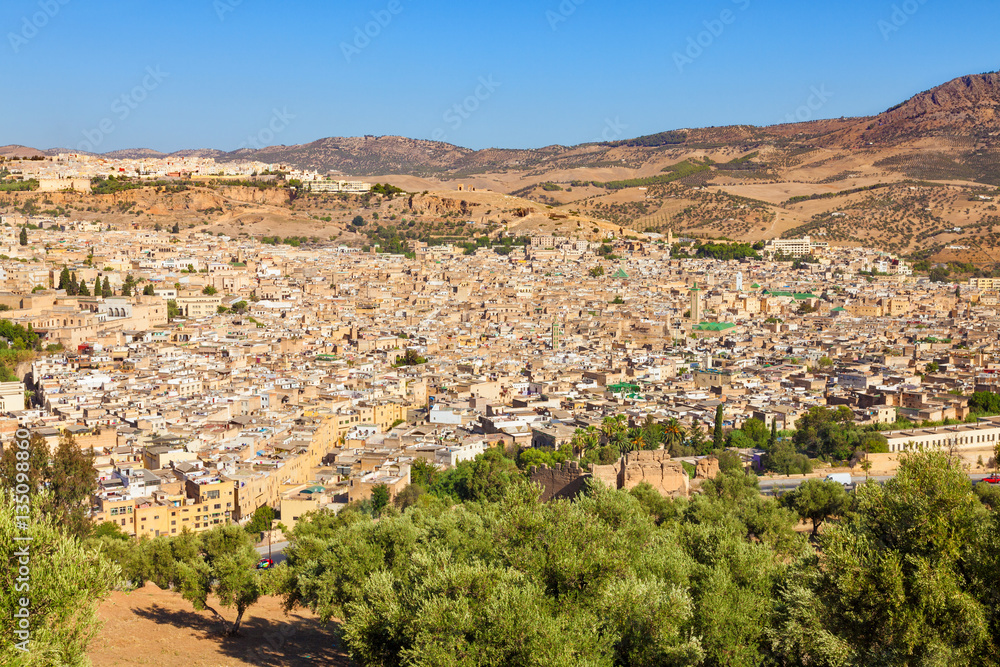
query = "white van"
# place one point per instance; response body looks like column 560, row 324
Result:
column 841, row 477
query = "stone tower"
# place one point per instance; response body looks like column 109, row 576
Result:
column 695, row 304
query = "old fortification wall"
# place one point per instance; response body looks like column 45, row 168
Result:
column 655, row 468
column 566, row 480
column 610, row 475
column 707, row 468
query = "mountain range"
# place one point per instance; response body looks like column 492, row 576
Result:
column 964, row 112
column 918, row 179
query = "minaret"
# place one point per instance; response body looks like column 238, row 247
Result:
column 739, row 281
column 696, row 304
column 555, row 334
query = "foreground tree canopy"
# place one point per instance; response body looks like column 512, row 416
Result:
column 65, row 582
column 901, row 574
column 906, row 577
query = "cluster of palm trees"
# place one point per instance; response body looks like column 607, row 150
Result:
column 622, row 437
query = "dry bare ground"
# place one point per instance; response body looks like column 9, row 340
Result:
column 158, row 628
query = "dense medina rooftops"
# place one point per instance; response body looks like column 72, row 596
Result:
column 343, row 323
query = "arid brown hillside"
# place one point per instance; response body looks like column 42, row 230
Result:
column 964, row 111
column 319, row 218
column 921, row 178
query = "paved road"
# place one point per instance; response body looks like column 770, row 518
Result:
column 277, row 551
column 780, row 485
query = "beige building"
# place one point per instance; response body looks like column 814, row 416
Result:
column 361, row 487
column 982, row 435
column 11, row 396
column 300, row 500
column 198, row 306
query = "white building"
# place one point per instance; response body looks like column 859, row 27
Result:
column 794, row 247
column 981, row 435
column 337, row 186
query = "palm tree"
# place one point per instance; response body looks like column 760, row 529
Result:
column 636, row 439
column 673, row 433
column 624, row 442
column 653, row 434
column 612, row 426
column 585, row 439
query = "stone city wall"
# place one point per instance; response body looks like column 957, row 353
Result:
column 655, row 468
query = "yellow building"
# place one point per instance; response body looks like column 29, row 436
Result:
column 382, row 414
column 302, row 499
column 159, row 514
column 254, row 490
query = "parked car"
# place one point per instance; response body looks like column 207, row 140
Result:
column 265, row 564
column 992, row 479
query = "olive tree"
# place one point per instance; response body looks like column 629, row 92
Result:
column 817, row 500
column 55, row 578
column 221, row 562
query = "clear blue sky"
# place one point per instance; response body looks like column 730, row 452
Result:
column 559, row 72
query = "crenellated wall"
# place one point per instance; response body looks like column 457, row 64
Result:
column 655, row 468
